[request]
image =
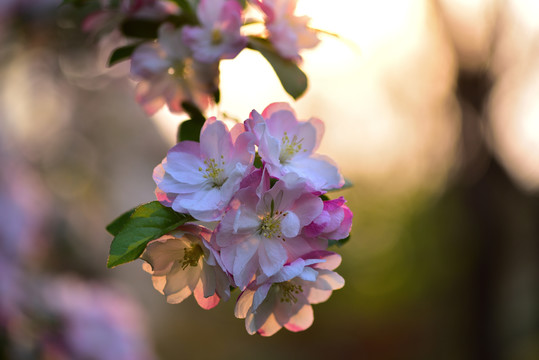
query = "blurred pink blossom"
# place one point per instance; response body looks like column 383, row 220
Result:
column 169, row 76
column 95, row 322
column 219, row 36
column 288, row 33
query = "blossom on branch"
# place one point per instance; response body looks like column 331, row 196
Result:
column 272, row 220
column 201, row 178
column 259, row 222
column 285, row 298
column 183, row 262
column 334, row 223
column 287, row 145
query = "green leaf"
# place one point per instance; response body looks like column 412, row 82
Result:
column 114, row 227
column 258, row 161
column 185, row 6
column 217, row 96
column 148, row 222
column 190, row 129
column 140, row 28
column 193, row 111
column 122, row 53
column 338, row 243
column 324, row 197
column 77, row 3
column 294, row 81
column 243, row 3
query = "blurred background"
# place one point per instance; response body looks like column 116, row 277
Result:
column 431, row 109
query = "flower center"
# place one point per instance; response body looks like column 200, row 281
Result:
column 214, row 171
column 191, row 256
column 270, row 225
column 216, row 37
column 289, row 291
column 289, row 148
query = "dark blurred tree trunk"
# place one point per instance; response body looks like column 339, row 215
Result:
column 503, row 217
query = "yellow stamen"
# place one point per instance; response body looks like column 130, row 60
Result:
column 289, row 148
column 191, row 256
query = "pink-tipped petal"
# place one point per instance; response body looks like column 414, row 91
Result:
column 277, row 106
column 302, row 320
column 206, row 303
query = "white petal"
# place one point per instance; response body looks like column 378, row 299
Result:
column 319, row 170
column 159, row 283
column 282, row 121
column 307, row 208
column 162, row 253
column 270, row 326
column 306, row 133
column 328, row 280
column 260, row 295
column 222, row 284
column 290, row 225
column 289, row 272
column 179, row 296
column 309, row 274
column 243, row 304
column 250, row 324
column 178, row 279
column 215, row 141
column 272, row 256
column 207, row 277
column 302, row 320
column 277, row 106
column 245, row 261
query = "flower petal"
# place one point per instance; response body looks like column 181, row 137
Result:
column 272, row 256
column 203, row 301
column 162, row 253
column 243, row 304
column 290, row 225
column 302, row 320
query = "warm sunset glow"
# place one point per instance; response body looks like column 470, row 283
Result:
column 383, row 87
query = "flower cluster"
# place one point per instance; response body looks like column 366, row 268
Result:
column 259, row 191
column 177, row 46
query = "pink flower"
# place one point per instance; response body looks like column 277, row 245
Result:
column 260, row 223
column 287, row 145
column 169, row 76
column 287, row 32
column 334, row 223
column 285, row 298
column 90, row 322
column 201, row 178
column 219, row 36
column 182, row 263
